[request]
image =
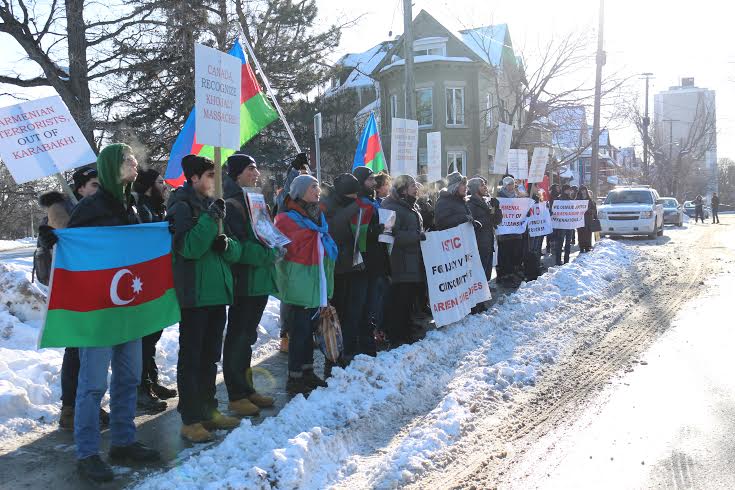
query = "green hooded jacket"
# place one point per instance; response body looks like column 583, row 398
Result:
column 108, row 171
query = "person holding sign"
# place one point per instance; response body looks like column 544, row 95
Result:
column 510, row 247
column 563, row 238
column 253, row 277
column 451, row 208
column 486, row 211
column 585, row 233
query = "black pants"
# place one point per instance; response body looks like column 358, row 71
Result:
column 398, row 321
column 562, row 241
column 352, row 300
column 510, row 256
column 698, row 214
column 301, row 324
column 242, row 332
column 149, row 373
column 585, row 239
column 69, row 376
column 715, row 215
column 200, row 347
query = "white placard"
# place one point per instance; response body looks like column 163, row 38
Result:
column 502, row 148
column 539, row 159
column 539, row 223
column 515, row 212
column 434, row 156
column 568, row 215
column 404, row 146
column 454, row 273
column 518, row 164
column 39, row 138
column 217, row 97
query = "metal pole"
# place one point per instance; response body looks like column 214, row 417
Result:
column 66, row 188
column 646, row 123
column 317, row 146
column 595, row 163
column 408, row 56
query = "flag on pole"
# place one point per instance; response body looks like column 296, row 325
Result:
column 256, row 112
column 110, row 285
column 369, row 151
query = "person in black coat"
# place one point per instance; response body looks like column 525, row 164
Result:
column 563, row 238
column 715, row 208
column 585, row 233
column 451, row 209
column 486, row 211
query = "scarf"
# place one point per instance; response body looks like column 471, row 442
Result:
column 369, row 209
column 330, row 247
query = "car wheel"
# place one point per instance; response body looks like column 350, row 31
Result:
column 661, row 230
column 652, row 235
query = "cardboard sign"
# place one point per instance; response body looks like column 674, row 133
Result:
column 260, row 220
column 454, row 273
column 404, row 147
column 39, row 138
column 568, row 215
column 515, row 212
column 434, row 156
column 518, row 164
column 217, row 97
column 502, row 148
column 539, row 223
column 539, row 159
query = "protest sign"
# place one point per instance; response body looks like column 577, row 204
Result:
column 502, row 148
column 434, row 156
column 539, row 223
column 404, row 146
column 39, row 138
column 568, row 215
column 518, row 164
column 454, row 273
column 260, row 220
column 217, row 87
column 539, row 159
column 515, row 212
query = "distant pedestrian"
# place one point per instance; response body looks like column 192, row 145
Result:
column 715, row 208
column 585, row 233
column 698, row 209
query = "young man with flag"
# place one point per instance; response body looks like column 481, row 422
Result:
column 203, row 280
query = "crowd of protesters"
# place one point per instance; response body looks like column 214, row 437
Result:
column 224, row 275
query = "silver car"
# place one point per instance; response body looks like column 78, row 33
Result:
column 673, row 212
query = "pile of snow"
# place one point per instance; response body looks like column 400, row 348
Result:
column 351, row 433
column 6, row 245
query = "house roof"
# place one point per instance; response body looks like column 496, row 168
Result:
column 362, row 65
column 490, row 43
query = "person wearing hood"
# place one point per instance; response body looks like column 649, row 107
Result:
column 202, row 256
column 149, row 192
column 486, row 211
column 111, row 205
column 510, row 247
column 305, row 278
column 451, row 208
column 407, row 268
column 585, row 233
column 254, row 280
column 563, row 238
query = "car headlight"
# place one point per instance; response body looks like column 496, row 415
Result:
column 646, row 214
column 602, row 215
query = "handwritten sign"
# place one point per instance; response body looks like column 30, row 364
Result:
column 217, row 97
column 539, row 159
column 539, row 222
column 434, row 156
column 518, row 164
column 515, row 211
column 502, row 148
column 568, row 215
column 404, row 146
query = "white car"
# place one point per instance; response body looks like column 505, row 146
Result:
column 632, row 211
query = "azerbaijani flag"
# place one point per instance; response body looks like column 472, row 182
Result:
column 110, row 285
column 369, row 152
column 255, row 114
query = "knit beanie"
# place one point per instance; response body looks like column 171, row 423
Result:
column 82, row 176
column 299, row 186
column 508, row 180
column 145, row 180
column 346, row 184
column 238, row 162
column 195, row 165
column 454, row 180
column 299, row 161
column 362, row 173
column 473, row 185
column 401, row 183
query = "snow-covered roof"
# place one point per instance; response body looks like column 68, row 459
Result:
column 372, row 106
column 487, row 42
column 427, row 59
column 362, row 65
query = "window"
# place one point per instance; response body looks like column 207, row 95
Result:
column 393, row 106
column 455, row 106
column 429, row 51
column 456, row 162
column 425, row 107
column 489, row 111
column 435, row 46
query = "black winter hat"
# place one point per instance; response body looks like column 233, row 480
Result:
column 82, row 176
column 361, row 174
column 237, row 163
column 195, row 165
column 145, row 180
column 346, row 184
column 300, row 160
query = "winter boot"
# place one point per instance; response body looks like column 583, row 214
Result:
column 148, row 402
column 196, row 433
column 220, row 422
column 312, row 380
column 136, row 452
column 162, row 392
column 294, row 386
column 66, row 419
column 284, row 345
column 95, row 469
column 261, row 401
column 243, row 408
column 104, row 418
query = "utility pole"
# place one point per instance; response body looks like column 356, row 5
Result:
column 408, row 56
column 595, row 161
column 646, row 123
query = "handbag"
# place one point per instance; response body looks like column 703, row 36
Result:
column 329, row 334
column 595, row 225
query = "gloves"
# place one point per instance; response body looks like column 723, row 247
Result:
column 46, row 237
column 280, row 253
column 217, row 209
column 494, row 203
column 422, row 236
column 477, row 224
column 220, row 243
column 380, row 228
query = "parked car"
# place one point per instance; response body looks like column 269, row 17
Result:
column 690, row 211
column 633, row 210
column 673, row 212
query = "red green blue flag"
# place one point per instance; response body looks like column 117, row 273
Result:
column 369, row 151
column 256, row 112
column 110, row 285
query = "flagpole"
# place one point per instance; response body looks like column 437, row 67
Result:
column 269, row 89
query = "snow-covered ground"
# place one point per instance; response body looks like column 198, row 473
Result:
column 6, row 245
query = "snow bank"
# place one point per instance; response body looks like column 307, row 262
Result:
column 436, row 383
column 6, row 245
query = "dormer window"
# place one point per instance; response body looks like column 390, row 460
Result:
column 430, row 46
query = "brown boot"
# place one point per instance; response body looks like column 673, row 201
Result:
column 284, row 345
column 243, row 408
column 66, row 419
column 221, row 422
column 261, row 401
column 196, row 433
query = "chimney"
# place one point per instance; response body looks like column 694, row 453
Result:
column 687, row 82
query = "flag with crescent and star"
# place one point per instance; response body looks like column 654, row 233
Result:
column 109, row 285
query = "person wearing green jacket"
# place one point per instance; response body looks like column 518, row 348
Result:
column 204, row 286
column 254, row 281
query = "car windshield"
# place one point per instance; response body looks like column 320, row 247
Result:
column 629, row 197
column 671, row 203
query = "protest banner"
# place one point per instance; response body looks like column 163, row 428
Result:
column 518, row 164
column 539, row 223
column 434, row 156
column 568, row 215
column 39, row 138
column 260, row 220
column 404, row 146
column 502, row 148
column 539, row 159
column 454, row 273
column 515, row 211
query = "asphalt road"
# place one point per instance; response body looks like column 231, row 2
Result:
column 17, row 253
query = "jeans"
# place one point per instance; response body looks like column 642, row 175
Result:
column 301, row 324
column 715, row 215
column 93, row 365
column 69, row 376
column 563, row 239
column 242, row 332
column 149, row 374
column 698, row 214
column 377, row 292
column 200, row 347
column 283, row 316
